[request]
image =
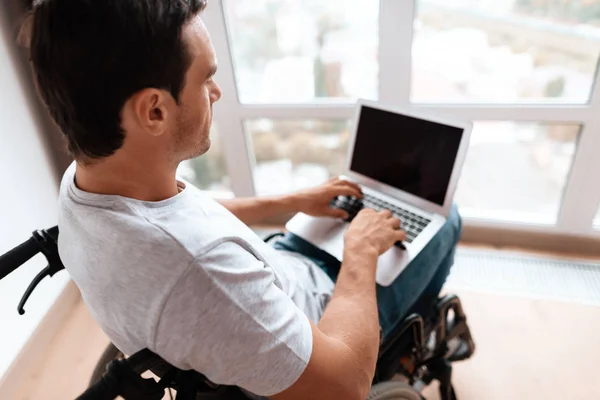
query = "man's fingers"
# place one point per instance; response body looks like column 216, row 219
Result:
column 366, row 210
column 342, row 187
column 386, row 213
column 395, row 223
column 348, row 183
column 337, row 213
column 400, row 235
column 350, row 186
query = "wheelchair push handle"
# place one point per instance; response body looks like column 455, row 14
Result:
column 18, row 256
column 45, row 242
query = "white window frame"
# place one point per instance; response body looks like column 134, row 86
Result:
column 581, row 197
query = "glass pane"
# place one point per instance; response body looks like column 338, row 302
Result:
column 298, row 51
column 597, row 220
column 516, row 171
column 208, row 172
column 471, row 51
column 294, row 154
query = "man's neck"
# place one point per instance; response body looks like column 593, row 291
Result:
column 147, row 180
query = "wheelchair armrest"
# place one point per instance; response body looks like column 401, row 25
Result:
column 408, row 339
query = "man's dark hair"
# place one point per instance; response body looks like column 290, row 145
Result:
column 90, row 56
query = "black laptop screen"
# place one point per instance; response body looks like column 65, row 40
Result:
column 411, row 154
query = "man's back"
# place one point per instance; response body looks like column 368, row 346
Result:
column 185, row 278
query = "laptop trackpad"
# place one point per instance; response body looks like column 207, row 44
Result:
column 325, row 233
column 328, row 235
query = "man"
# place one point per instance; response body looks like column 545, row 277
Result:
column 162, row 266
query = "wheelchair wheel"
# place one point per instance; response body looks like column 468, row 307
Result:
column 110, row 353
column 393, row 391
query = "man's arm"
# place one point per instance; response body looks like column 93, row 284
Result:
column 314, row 201
column 253, row 210
column 346, row 340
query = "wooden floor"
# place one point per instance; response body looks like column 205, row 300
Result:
column 530, row 349
column 65, row 373
column 526, row 349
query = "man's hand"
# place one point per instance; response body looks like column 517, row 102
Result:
column 316, row 201
column 375, row 231
column 346, row 339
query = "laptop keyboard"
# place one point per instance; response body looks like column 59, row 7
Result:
column 412, row 224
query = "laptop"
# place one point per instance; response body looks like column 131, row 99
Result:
column 405, row 161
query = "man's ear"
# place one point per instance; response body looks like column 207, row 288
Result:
column 148, row 110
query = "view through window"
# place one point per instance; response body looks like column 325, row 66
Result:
column 295, row 154
column 516, row 171
column 301, row 63
column 298, row 51
column 505, row 50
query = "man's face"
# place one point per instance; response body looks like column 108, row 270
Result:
column 194, row 113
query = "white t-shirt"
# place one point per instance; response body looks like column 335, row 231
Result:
column 186, row 279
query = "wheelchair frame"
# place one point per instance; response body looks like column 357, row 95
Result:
column 405, row 352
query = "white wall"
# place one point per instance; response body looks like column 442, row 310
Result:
column 28, row 190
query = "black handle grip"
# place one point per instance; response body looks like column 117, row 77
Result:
column 18, row 256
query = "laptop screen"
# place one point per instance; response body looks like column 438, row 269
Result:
column 410, row 154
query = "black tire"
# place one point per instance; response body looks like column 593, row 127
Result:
column 393, row 390
column 110, row 353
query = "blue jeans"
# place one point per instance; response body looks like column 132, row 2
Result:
column 415, row 289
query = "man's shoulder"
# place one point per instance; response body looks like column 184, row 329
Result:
column 144, row 238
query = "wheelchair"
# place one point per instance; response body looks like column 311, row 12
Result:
column 415, row 354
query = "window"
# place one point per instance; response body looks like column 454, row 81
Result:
column 294, row 154
column 597, row 220
column 298, row 51
column 517, row 171
column 208, row 172
column 523, row 69
column 505, row 51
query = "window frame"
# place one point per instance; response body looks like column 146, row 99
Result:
column 581, row 197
